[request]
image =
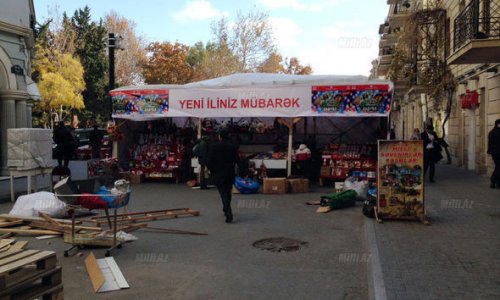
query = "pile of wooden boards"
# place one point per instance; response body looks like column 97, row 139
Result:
column 43, row 225
column 94, row 234
column 28, row 274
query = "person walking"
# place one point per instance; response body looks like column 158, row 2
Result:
column 65, row 142
column 221, row 161
column 95, row 141
column 432, row 151
column 494, row 151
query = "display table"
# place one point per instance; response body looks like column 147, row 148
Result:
column 13, row 172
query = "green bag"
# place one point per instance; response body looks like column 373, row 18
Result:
column 340, row 200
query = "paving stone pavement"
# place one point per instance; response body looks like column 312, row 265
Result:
column 458, row 255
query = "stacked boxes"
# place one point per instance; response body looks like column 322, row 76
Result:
column 284, row 185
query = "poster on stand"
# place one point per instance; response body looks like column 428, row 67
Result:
column 400, row 180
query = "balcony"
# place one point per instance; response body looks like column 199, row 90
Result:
column 385, row 59
column 382, row 70
column 391, row 37
column 402, row 10
column 385, row 55
column 476, row 35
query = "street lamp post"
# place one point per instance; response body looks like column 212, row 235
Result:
column 113, row 43
column 111, row 49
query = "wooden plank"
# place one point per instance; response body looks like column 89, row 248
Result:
column 48, row 218
column 95, row 274
column 29, row 219
column 6, row 242
column 144, row 212
column 45, row 237
column 43, row 259
column 50, row 226
column 29, row 231
column 175, row 231
column 20, row 245
column 149, row 216
column 62, row 228
column 11, row 223
column 86, row 228
column 19, row 256
column 10, row 252
column 128, row 228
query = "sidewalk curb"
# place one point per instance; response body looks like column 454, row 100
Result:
column 376, row 284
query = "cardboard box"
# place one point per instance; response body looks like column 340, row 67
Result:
column 235, row 190
column 135, row 178
column 298, row 185
column 275, row 186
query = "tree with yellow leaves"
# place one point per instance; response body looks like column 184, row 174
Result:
column 60, row 80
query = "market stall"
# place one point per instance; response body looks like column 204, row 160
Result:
column 287, row 98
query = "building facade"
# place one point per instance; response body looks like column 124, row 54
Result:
column 470, row 54
column 17, row 90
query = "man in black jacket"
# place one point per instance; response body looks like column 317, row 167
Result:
column 222, row 158
column 432, row 151
column 494, row 151
column 95, row 141
column 65, row 142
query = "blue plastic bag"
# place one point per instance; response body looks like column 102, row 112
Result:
column 246, row 186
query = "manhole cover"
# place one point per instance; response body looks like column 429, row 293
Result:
column 279, row 244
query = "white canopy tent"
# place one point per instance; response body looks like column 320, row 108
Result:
column 289, row 97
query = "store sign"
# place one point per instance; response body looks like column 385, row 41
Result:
column 240, row 102
column 136, row 103
column 470, row 100
column 356, row 100
column 400, row 180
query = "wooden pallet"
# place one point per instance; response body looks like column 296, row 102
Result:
column 145, row 216
column 47, row 284
column 18, row 266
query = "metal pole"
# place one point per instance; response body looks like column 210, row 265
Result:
column 290, row 149
column 111, row 48
column 199, row 128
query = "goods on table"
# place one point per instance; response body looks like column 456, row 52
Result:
column 342, row 161
column 156, row 156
